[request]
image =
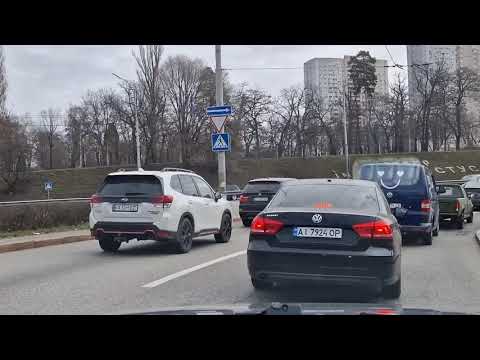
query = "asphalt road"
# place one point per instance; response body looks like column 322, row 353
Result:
column 79, row 278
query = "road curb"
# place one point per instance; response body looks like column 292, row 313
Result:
column 25, row 245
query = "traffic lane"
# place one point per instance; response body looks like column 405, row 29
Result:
column 81, row 278
column 443, row 276
column 446, row 275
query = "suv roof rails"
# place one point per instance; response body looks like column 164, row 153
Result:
column 178, row 169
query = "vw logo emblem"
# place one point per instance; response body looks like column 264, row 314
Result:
column 389, row 195
column 124, row 199
column 317, row 218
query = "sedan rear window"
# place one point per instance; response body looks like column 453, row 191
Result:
column 324, row 196
column 262, row 187
column 131, row 185
column 452, row 191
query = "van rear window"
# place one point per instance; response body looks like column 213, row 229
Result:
column 392, row 176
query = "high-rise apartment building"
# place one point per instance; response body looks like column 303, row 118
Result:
column 328, row 76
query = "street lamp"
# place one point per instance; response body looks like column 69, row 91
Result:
column 137, row 127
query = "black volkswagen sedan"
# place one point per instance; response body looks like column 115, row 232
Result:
column 329, row 231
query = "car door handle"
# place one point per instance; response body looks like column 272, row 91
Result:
column 190, row 202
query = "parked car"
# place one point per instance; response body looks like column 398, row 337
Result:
column 172, row 205
column 256, row 195
column 455, row 204
column 411, row 192
column 338, row 231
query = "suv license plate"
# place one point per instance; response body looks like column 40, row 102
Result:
column 395, row 205
column 125, row 207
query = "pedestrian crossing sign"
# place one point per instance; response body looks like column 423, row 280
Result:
column 221, row 142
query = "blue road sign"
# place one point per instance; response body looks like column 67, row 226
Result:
column 48, row 186
column 223, row 110
column 221, row 142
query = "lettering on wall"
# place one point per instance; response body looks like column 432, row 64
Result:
column 453, row 169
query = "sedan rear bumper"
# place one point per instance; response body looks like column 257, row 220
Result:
column 282, row 265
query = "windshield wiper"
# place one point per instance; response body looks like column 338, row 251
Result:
column 134, row 193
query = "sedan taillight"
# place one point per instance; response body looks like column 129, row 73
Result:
column 264, row 225
column 379, row 229
column 243, row 199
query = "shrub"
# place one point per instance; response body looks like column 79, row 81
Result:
column 26, row 217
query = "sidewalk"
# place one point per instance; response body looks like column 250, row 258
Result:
column 35, row 241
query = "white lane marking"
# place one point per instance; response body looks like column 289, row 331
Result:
column 192, row 269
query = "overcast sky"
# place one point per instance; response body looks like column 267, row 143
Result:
column 40, row 77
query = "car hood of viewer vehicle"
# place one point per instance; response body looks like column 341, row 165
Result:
column 294, row 309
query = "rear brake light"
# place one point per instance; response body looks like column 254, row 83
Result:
column 457, row 205
column 426, row 205
column 263, row 225
column 243, row 199
column 96, row 199
column 162, row 200
column 379, row 229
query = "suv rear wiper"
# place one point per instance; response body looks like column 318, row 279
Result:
column 134, row 193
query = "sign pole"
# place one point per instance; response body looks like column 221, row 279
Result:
column 222, row 172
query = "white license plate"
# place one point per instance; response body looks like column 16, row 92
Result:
column 125, row 207
column 395, row 205
column 260, row 199
column 317, row 232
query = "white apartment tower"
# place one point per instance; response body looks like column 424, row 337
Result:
column 328, row 76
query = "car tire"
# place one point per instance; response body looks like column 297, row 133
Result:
column 427, row 238
column 435, row 232
column 460, row 221
column 108, row 244
column 225, row 230
column 184, row 236
column 470, row 218
column 261, row 284
column 246, row 222
column 393, row 291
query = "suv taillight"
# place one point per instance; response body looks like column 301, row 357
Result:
column 96, row 199
column 426, row 205
column 457, row 205
column 165, row 200
column 379, row 229
column 264, row 225
column 243, row 199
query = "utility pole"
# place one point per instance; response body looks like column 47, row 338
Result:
column 222, row 172
column 345, row 128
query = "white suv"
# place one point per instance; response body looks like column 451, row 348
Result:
column 172, row 205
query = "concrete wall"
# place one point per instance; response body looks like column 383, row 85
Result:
column 84, row 182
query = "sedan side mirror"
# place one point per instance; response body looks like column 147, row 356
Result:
column 218, row 196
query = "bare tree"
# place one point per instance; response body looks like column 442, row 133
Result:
column 427, row 80
column 464, row 83
column 154, row 110
column 181, row 80
column 3, row 83
column 14, row 152
column 50, row 120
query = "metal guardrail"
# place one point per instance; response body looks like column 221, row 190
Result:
column 26, row 202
